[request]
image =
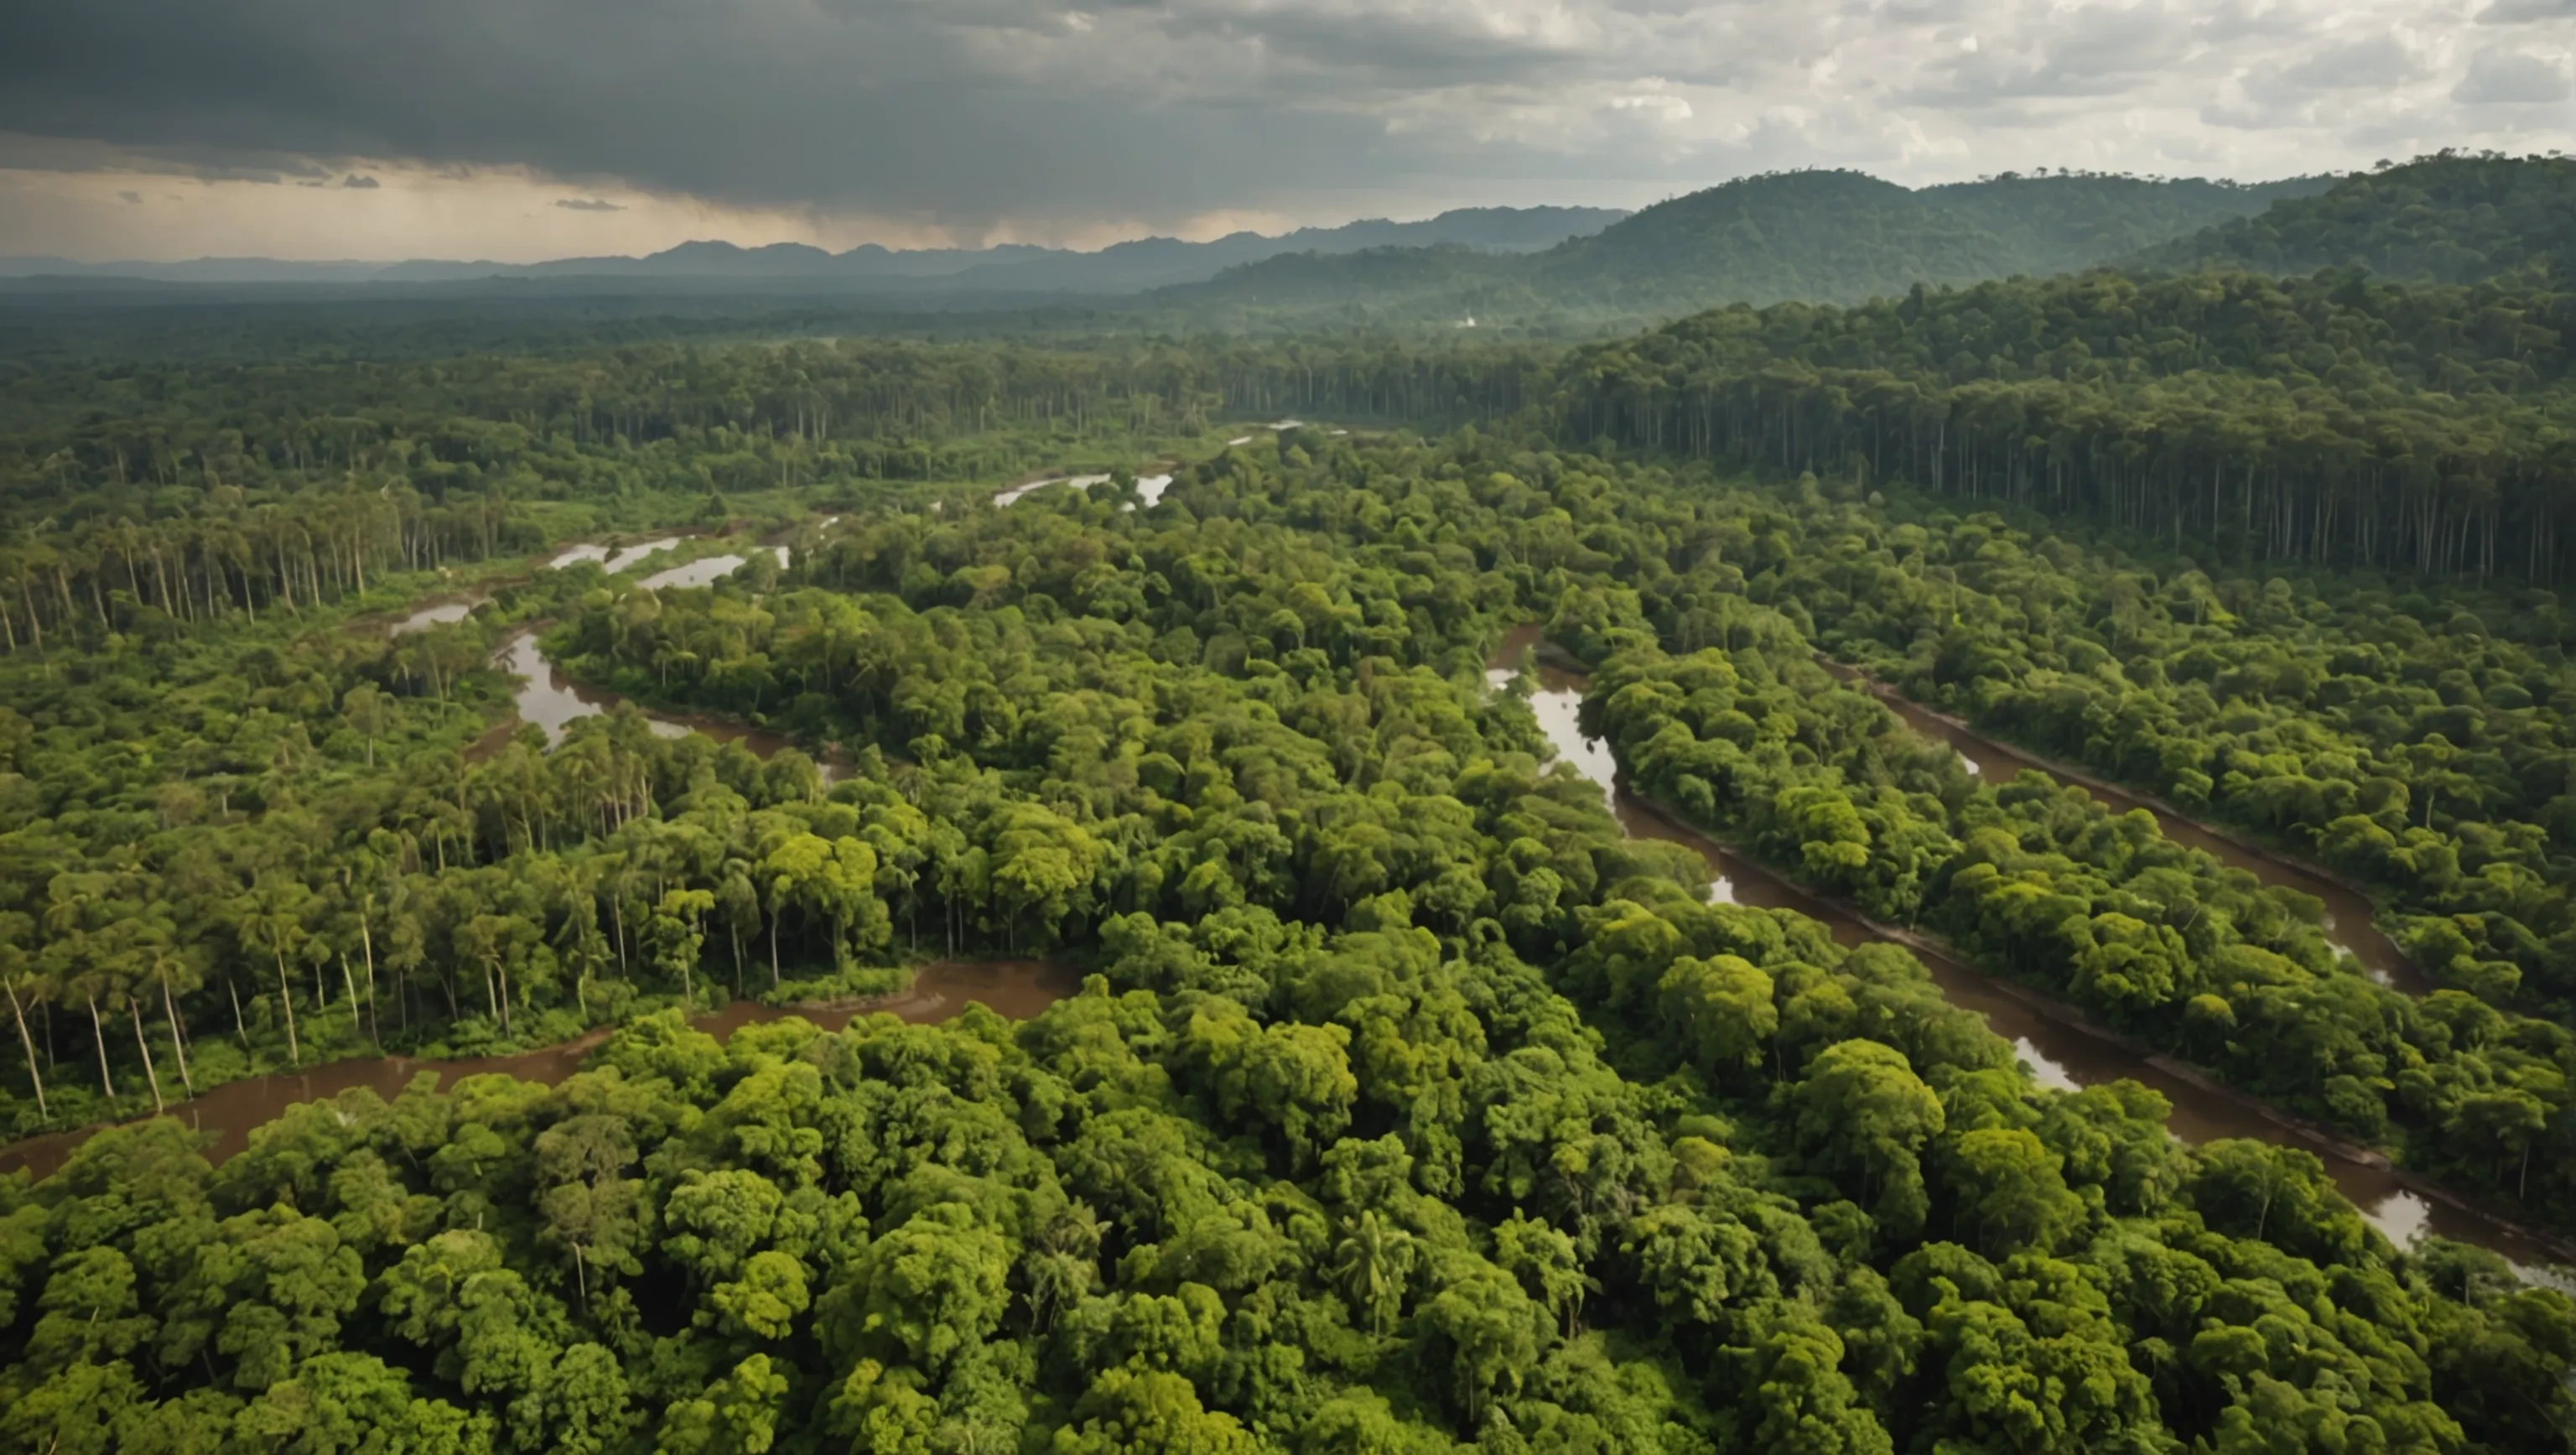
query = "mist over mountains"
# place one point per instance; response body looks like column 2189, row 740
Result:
column 1126, row 267
column 1820, row 237
column 1816, row 236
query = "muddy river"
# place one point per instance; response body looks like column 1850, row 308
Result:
column 1015, row 988
column 2055, row 1041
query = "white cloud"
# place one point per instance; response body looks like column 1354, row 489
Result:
column 2501, row 75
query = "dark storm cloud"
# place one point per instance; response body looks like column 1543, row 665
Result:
column 986, row 108
column 360, row 184
column 587, row 204
column 1026, row 114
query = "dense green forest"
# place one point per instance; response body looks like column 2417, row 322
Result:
column 1412, row 1105
column 1408, row 1105
column 2448, row 218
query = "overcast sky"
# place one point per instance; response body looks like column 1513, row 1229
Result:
column 524, row 129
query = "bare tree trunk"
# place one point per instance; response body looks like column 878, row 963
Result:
column 178, row 1042
column 98, row 1033
column 357, row 1021
column 134, row 1013
column 286, row 997
column 24, row 1039
column 375, row 1023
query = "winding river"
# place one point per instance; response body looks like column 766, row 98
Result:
column 2059, row 1044
column 1015, row 988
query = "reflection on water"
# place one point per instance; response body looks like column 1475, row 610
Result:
column 611, row 561
column 635, row 555
column 1018, row 989
column 546, row 696
column 2043, row 1069
column 1018, row 493
column 442, row 614
column 550, row 698
column 2062, row 1049
column 705, row 571
column 1149, row 488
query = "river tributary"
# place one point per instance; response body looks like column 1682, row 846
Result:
column 2061, row 1047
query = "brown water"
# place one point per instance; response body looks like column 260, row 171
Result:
column 1018, row 989
column 2348, row 923
column 2059, row 1045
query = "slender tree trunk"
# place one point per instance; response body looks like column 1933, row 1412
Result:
column 98, row 1033
column 357, row 1021
column 367, row 944
column 239, row 1029
column 134, row 1013
column 19, row 1012
column 286, row 997
column 178, row 1042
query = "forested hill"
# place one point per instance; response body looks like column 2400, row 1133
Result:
column 2446, row 218
column 1819, row 237
column 2063, row 223
column 1844, row 237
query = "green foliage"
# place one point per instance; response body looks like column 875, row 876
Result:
column 1407, row 1102
column 2446, row 218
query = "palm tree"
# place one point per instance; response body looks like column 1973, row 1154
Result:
column 271, row 917
column 14, row 971
column 161, row 957
column 1373, row 1262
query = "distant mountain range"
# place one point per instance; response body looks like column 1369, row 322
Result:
column 1127, row 267
column 1818, row 236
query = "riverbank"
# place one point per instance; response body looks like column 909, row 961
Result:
column 2064, row 1046
column 2537, row 1245
column 2350, row 908
column 936, row 991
